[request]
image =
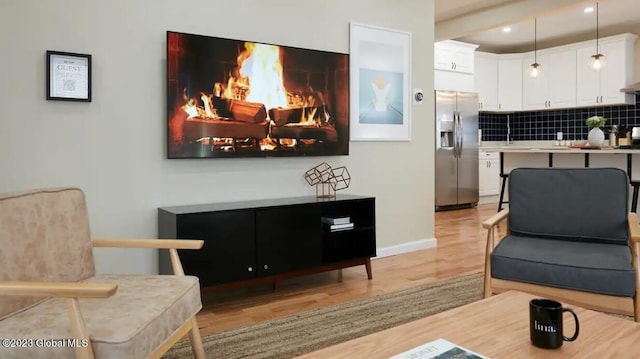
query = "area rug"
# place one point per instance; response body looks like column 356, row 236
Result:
column 315, row 329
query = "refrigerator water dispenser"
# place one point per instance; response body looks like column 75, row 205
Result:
column 446, row 132
column 446, row 139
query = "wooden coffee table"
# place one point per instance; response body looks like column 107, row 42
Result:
column 497, row 327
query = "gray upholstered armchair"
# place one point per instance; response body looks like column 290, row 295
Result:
column 49, row 291
column 569, row 237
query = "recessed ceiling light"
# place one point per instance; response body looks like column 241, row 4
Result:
column 506, row 29
column 588, row 10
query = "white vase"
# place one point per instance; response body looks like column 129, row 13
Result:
column 596, row 137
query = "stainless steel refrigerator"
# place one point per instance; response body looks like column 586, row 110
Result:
column 456, row 175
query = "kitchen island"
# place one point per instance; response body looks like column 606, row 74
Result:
column 533, row 154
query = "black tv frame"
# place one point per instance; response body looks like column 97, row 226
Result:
column 196, row 63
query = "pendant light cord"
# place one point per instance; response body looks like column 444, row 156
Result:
column 535, row 40
column 597, row 28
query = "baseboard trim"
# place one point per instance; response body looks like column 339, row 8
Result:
column 489, row 199
column 407, row 247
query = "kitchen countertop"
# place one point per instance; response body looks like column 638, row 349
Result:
column 549, row 147
column 558, row 149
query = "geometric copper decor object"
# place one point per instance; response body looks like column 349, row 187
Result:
column 318, row 174
column 340, row 178
column 328, row 180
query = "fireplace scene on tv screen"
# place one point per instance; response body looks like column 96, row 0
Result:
column 232, row 98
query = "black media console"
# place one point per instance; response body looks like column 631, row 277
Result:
column 268, row 240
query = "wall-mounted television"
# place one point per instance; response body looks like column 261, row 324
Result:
column 235, row 98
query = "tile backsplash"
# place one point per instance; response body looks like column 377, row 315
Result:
column 543, row 125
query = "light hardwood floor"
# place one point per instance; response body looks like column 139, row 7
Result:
column 460, row 251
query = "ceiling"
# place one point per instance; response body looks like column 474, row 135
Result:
column 449, row 9
column 567, row 25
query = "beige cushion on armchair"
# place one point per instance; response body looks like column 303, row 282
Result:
column 45, row 237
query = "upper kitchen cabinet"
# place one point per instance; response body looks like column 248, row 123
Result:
column 454, row 65
column 602, row 87
column 485, row 78
column 565, row 81
column 555, row 86
column 498, row 82
column 510, row 82
column 454, row 56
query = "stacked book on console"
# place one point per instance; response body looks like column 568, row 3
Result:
column 337, row 223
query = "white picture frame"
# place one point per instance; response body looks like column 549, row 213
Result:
column 380, row 83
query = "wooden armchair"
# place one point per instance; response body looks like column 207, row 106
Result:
column 55, row 306
column 569, row 237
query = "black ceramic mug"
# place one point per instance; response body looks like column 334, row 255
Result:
column 545, row 323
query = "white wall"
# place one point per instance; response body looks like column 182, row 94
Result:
column 113, row 147
column 636, row 70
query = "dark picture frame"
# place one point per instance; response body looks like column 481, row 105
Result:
column 68, row 76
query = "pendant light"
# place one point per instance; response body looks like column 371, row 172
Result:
column 535, row 67
column 597, row 61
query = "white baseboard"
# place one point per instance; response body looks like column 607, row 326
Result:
column 489, row 199
column 407, row 247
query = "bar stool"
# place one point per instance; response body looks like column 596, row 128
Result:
column 634, row 199
column 504, row 177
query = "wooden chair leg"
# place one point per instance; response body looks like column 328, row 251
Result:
column 634, row 198
column 487, row 264
column 635, row 253
column 196, row 340
column 79, row 330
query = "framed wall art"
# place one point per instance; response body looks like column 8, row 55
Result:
column 380, row 82
column 68, row 76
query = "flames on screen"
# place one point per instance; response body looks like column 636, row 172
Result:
column 259, row 78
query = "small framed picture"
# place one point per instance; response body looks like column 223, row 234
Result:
column 68, row 76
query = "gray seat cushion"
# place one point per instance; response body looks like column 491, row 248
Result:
column 590, row 267
column 577, row 204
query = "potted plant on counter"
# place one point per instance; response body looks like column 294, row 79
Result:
column 596, row 136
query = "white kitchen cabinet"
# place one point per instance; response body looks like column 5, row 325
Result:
column 588, row 81
column 602, row 87
column 565, row 81
column 535, row 89
column 498, row 81
column 562, row 78
column 555, row 86
column 454, row 56
column 510, row 82
column 454, row 64
column 486, row 80
column 489, row 173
